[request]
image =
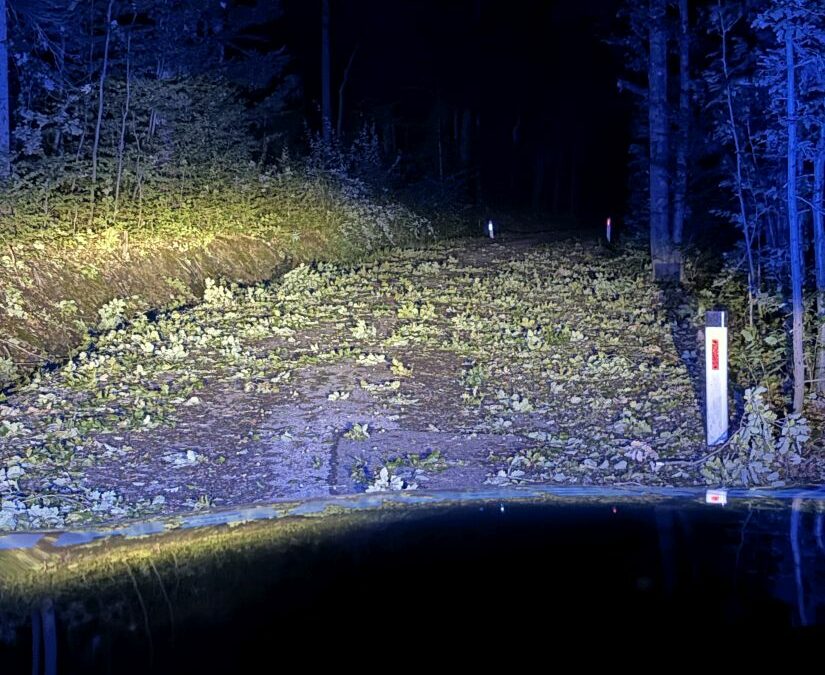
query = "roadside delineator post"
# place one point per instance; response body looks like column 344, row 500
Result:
column 716, row 377
column 608, row 230
column 491, row 229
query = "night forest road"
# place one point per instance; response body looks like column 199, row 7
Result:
column 463, row 364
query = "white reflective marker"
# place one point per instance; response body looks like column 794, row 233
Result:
column 609, row 230
column 716, row 377
column 490, row 230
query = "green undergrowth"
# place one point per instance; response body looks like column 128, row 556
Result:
column 759, row 322
column 558, row 364
column 767, row 441
column 563, row 349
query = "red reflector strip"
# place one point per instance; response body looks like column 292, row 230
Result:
column 714, row 354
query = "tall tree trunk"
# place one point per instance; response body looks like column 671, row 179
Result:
column 795, row 235
column 121, row 143
column 340, row 127
column 154, row 117
column 574, row 184
column 479, row 195
column 60, row 61
column 747, row 230
column 661, row 248
column 680, row 188
column 819, row 257
column 515, row 141
column 5, row 130
column 103, row 70
column 538, row 179
column 437, row 116
column 465, row 143
column 388, row 135
column 326, row 77
column 557, row 160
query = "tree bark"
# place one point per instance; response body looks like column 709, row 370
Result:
column 479, row 195
column 795, row 238
column 819, row 258
column 103, row 70
column 683, row 138
column 326, row 77
column 557, row 161
column 60, row 60
column 464, row 150
column 515, row 142
column 747, row 230
column 121, row 143
column 440, row 143
column 340, row 127
column 5, row 118
column 538, row 180
column 661, row 248
column 574, row 184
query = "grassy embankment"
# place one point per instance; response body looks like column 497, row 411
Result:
column 61, row 280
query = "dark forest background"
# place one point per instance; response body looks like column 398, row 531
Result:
column 522, row 98
column 502, row 107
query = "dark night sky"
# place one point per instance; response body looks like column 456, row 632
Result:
column 544, row 62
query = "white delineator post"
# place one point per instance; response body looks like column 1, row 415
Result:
column 716, row 377
column 491, row 229
column 608, row 230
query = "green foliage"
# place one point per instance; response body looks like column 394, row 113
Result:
column 358, row 432
column 398, row 368
column 358, row 472
column 759, row 351
column 8, row 371
column 475, row 377
column 112, row 314
column 216, row 295
column 762, row 451
column 363, row 331
column 13, row 305
column 386, row 481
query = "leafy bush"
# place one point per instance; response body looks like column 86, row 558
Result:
column 8, row 371
column 216, row 295
column 112, row 314
column 759, row 343
column 763, row 451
